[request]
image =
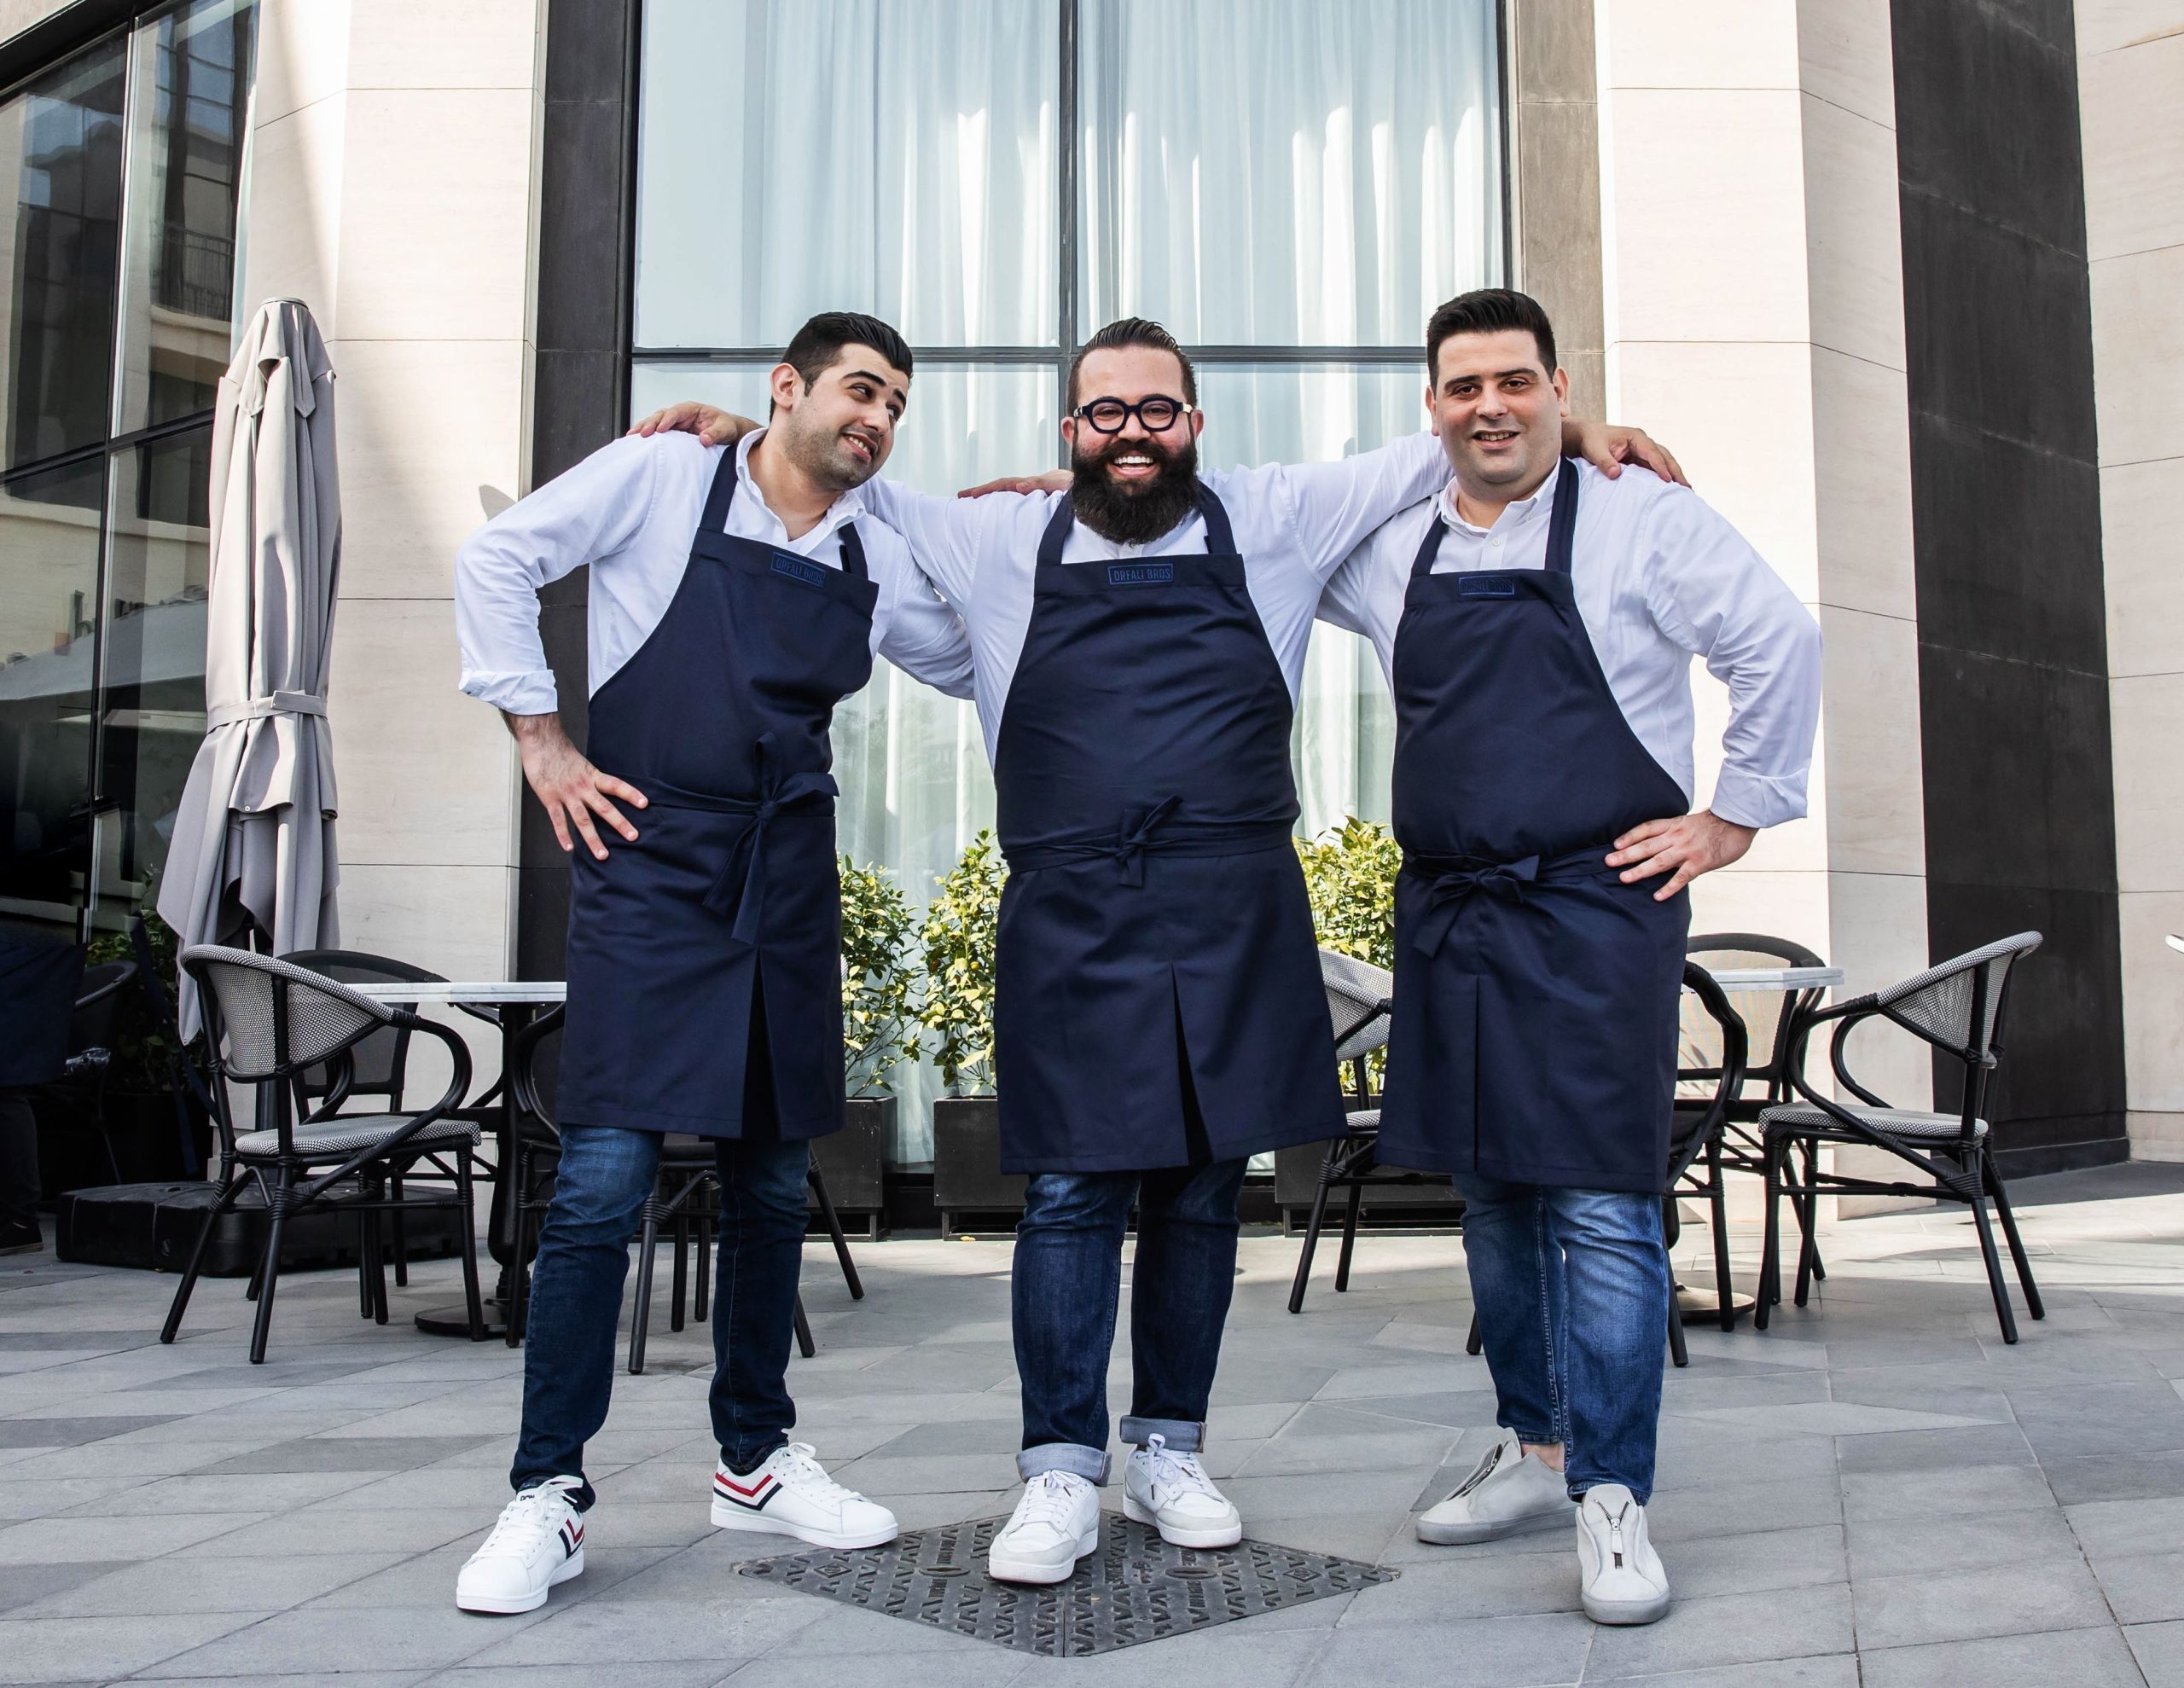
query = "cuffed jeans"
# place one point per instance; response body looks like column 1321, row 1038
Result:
column 1065, row 1286
column 1572, row 1292
column 605, row 1176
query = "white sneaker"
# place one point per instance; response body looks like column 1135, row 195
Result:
column 1173, row 1493
column 792, row 1494
column 1508, row 1490
column 1056, row 1522
column 539, row 1542
column 1619, row 1573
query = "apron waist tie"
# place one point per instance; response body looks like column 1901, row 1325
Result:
column 1450, row 880
column 744, row 893
column 1149, row 832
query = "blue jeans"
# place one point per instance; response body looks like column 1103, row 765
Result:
column 1572, row 1292
column 1067, row 1282
column 576, row 1296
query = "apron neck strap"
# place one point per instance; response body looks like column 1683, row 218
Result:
column 1562, row 524
column 720, row 497
column 1562, row 520
column 1220, row 537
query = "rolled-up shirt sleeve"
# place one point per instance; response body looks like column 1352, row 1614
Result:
column 1716, row 596
column 584, row 516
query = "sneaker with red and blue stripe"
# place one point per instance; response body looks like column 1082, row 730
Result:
column 790, row 1494
column 536, row 1542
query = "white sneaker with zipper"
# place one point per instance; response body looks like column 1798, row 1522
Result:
column 1508, row 1490
column 1172, row 1493
column 537, row 1542
column 1620, row 1577
column 792, row 1494
column 1056, row 1522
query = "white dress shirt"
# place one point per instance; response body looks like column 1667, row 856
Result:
column 631, row 510
column 1293, row 525
column 1659, row 578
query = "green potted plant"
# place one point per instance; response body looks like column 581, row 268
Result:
column 880, row 1030
column 138, row 1091
column 958, row 941
column 1350, row 875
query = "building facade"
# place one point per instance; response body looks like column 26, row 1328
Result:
column 1901, row 286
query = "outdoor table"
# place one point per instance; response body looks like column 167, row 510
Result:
column 515, row 1001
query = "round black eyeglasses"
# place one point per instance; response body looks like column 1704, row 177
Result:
column 1158, row 413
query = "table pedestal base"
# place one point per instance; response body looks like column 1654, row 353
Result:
column 454, row 1321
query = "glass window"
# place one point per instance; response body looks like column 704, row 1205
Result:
column 189, row 114
column 119, row 187
column 1289, row 185
column 60, row 206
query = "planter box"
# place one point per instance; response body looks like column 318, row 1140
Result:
column 1418, row 1195
column 147, row 1140
column 853, row 1160
column 966, row 1174
column 154, row 1226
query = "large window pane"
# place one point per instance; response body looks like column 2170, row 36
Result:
column 59, row 202
column 805, row 156
column 153, row 713
column 190, row 95
column 1288, row 172
column 49, row 589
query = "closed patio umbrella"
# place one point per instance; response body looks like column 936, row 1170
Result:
column 254, row 839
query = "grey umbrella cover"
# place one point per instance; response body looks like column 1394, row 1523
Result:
column 253, row 841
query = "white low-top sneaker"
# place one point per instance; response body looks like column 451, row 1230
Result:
column 539, row 1542
column 1508, row 1490
column 1056, row 1522
column 1172, row 1493
column 792, row 1494
column 1620, row 1576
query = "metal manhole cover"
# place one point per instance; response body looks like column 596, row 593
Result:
column 1134, row 1588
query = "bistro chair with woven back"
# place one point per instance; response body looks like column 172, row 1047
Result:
column 269, row 1023
column 1957, row 1007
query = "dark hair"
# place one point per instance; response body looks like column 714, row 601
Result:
column 1134, row 331
column 1487, row 310
column 818, row 344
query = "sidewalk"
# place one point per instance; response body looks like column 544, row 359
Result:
column 1875, row 1485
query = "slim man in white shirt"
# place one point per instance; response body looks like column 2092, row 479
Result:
column 1139, row 634
column 737, row 596
column 1536, row 621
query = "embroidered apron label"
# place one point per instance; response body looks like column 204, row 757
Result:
column 1484, row 586
column 1141, row 574
column 801, row 570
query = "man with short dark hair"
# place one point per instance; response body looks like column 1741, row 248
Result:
column 737, row 596
column 1139, row 631
column 1536, row 621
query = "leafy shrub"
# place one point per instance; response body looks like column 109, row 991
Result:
column 1350, row 872
column 957, row 942
column 880, row 1019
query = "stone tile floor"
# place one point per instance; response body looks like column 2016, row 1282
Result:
column 1877, row 1490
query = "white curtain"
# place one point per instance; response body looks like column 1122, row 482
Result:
column 1251, row 172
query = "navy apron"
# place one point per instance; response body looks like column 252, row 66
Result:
column 1156, row 986
column 731, row 889
column 1534, row 1036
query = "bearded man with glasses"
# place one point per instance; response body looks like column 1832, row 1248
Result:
column 1139, row 631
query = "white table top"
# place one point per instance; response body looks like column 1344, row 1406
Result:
column 553, row 990
column 468, row 991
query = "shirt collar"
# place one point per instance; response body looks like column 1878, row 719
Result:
column 1518, row 513
column 846, row 507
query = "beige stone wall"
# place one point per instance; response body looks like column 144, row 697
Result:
column 2131, row 106
column 18, row 16
column 392, row 190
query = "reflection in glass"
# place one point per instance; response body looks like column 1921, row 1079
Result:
column 152, row 712
column 1288, row 172
column 190, row 99
column 60, row 203
column 804, row 155
column 1343, row 743
column 49, row 588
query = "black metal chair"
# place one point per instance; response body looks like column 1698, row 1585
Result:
column 1360, row 1003
column 1957, row 1007
column 376, row 1068
column 268, row 1022
column 688, row 1179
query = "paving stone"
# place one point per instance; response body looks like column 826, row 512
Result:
column 1724, row 1630
column 2057, row 1592
column 2159, row 1649
column 2142, row 1587
column 1925, row 1545
column 2080, row 1658
column 1506, row 1652
column 53, row 1649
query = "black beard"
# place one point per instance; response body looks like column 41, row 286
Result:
column 1135, row 512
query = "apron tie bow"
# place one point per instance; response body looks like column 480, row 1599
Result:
column 1452, row 884
column 745, row 891
column 1131, row 842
